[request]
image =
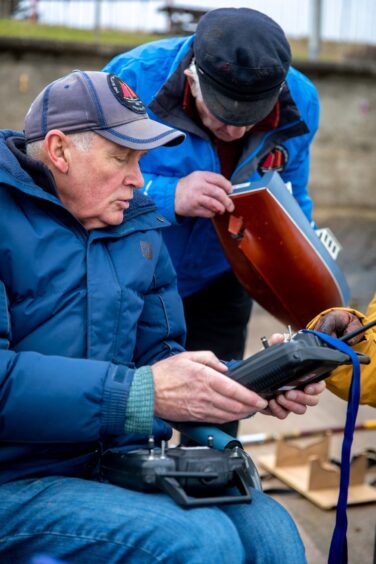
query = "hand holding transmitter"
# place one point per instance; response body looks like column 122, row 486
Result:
column 302, row 359
column 200, row 476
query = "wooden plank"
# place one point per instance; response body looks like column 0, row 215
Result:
column 298, row 478
column 289, row 454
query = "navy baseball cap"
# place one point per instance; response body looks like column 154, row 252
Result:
column 101, row 102
column 242, row 58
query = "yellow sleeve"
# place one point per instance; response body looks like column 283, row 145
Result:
column 340, row 379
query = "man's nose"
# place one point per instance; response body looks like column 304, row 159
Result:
column 134, row 176
column 235, row 130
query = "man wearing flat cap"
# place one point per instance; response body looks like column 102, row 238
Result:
column 91, row 346
column 245, row 111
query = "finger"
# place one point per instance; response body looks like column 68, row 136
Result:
column 231, row 389
column 211, row 204
column 201, row 211
column 276, row 338
column 220, row 181
column 207, row 358
column 220, row 195
column 352, row 326
column 315, row 389
column 215, row 203
column 355, row 340
column 231, row 406
column 298, row 396
column 277, row 410
column 326, row 325
column 298, row 406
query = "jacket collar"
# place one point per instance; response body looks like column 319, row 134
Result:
column 21, row 172
column 168, row 103
column 39, row 173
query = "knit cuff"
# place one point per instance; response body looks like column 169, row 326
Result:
column 140, row 405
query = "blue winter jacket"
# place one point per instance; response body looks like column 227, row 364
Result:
column 79, row 311
column 155, row 71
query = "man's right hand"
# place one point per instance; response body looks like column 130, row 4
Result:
column 192, row 386
column 203, row 194
column 338, row 323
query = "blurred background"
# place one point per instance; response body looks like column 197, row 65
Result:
column 334, row 44
column 350, row 21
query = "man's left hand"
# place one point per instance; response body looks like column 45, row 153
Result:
column 295, row 401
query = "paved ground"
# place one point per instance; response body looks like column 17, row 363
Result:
column 357, row 234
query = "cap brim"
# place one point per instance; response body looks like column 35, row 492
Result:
column 143, row 134
column 237, row 112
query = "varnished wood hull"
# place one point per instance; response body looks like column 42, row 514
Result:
column 277, row 256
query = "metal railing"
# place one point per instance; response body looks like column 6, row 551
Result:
column 345, row 21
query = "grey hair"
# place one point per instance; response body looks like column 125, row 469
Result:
column 193, row 71
column 34, row 149
column 82, row 141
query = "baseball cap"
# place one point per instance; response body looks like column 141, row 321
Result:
column 242, row 58
column 101, row 102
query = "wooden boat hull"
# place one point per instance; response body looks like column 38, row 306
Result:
column 277, row 256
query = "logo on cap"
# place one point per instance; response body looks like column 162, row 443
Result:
column 125, row 95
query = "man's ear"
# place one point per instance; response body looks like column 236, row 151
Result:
column 191, row 82
column 57, row 149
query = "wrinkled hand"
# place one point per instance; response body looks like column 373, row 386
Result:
column 192, row 386
column 295, row 401
column 338, row 323
column 203, row 194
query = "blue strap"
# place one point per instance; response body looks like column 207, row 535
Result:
column 338, row 545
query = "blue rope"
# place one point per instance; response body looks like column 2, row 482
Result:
column 338, row 545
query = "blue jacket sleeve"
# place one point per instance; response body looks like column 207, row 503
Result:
column 57, row 399
column 297, row 170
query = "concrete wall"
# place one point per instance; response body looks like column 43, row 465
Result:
column 343, row 172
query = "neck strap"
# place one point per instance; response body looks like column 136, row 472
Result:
column 338, row 546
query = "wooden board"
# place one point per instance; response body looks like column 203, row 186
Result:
column 298, row 477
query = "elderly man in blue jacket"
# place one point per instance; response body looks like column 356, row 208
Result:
column 245, row 111
column 91, row 346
